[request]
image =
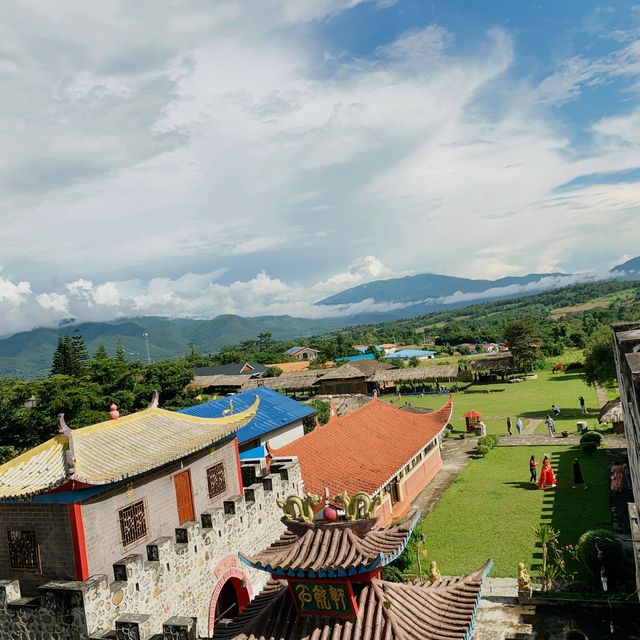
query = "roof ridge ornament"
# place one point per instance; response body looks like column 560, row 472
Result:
column 70, row 458
column 155, row 400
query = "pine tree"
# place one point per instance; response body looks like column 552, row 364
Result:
column 121, row 354
column 64, row 357
column 80, row 351
column 101, row 352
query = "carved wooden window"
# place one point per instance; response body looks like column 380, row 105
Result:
column 216, row 480
column 133, row 523
column 24, row 553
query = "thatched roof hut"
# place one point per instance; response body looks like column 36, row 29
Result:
column 435, row 373
column 611, row 412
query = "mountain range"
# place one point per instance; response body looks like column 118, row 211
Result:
column 28, row 354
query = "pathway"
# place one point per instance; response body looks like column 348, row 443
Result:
column 455, row 456
column 536, row 439
column 601, row 395
column 532, row 425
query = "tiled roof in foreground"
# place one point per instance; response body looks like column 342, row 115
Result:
column 114, row 450
column 333, row 549
column 444, row 610
column 363, row 450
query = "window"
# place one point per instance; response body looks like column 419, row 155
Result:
column 24, row 553
column 215, row 480
column 133, row 523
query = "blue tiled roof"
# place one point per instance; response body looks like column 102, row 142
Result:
column 256, row 452
column 364, row 356
column 410, row 353
column 275, row 411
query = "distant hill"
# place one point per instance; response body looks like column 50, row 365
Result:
column 629, row 269
column 428, row 292
column 28, row 354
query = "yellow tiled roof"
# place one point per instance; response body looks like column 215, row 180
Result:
column 114, row 450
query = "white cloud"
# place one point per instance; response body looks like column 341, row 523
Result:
column 236, row 136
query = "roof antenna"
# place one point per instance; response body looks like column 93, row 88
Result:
column 64, row 430
column 155, row 400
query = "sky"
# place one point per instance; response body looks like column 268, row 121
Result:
column 193, row 158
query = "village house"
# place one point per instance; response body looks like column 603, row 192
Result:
column 379, row 449
column 408, row 354
column 133, row 520
column 278, row 418
column 302, row 353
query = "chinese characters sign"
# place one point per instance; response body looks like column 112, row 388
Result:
column 324, row 598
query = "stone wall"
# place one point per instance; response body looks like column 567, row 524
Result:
column 174, row 577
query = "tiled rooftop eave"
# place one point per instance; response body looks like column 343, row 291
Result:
column 322, row 573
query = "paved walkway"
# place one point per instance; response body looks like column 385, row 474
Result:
column 532, row 425
column 536, row 439
column 455, row 456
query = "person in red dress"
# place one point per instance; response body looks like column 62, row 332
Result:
column 547, row 477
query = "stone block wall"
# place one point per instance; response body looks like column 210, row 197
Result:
column 167, row 589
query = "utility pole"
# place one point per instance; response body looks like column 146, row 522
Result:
column 146, row 340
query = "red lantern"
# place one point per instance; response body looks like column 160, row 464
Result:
column 114, row 414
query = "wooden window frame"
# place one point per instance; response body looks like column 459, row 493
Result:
column 37, row 568
column 224, row 475
column 132, row 543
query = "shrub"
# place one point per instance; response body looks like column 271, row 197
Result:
column 495, row 438
column 483, row 449
column 612, row 555
column 392, row 574
column 590, row 441
column 574, row 366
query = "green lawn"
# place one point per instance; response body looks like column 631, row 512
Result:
column 489, row 510
column 529, row 399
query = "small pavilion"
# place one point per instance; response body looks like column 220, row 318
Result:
column 472, row 419
column 326, row 583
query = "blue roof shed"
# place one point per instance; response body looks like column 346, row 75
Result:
column 411, row 353
column 274, row 412
column 364, row 356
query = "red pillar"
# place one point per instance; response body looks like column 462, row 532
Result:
column 240, row 487
column 77, row 538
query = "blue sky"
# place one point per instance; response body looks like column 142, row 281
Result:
column 253, row 157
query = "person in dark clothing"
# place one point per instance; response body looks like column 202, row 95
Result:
column 509, row 426
column 583, row 408
column 577, row 475
column 533, row 470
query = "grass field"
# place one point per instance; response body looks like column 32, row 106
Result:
column 531, row 399
column 490, row 509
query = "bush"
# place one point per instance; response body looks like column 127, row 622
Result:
column 574, row 366
column 590, row 441
column 392, row 574
column 612, row 556
column 483, row 449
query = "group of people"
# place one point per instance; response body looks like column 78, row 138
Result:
column 518, row 425
column 548, row 477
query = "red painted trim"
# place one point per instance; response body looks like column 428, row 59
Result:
column 240, row 486
column 77, row 538
column 243, row 593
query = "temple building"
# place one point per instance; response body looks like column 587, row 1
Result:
column 379, row 449
column 130, row 522
column 326, row 583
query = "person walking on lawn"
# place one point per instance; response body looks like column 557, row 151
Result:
column 577, row 475
column 533, row 469
column 519, row 424
column 551, row 425
column 509, row 426
column 583, row 408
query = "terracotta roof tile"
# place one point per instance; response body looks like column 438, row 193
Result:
column 333, row 549
column 363, row 450
column 386, row 611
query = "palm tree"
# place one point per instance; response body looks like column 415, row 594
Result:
column 547, row 537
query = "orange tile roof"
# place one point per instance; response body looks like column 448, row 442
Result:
column 363, row 450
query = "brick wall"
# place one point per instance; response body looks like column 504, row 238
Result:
column 100, row 514
column 53, row 534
